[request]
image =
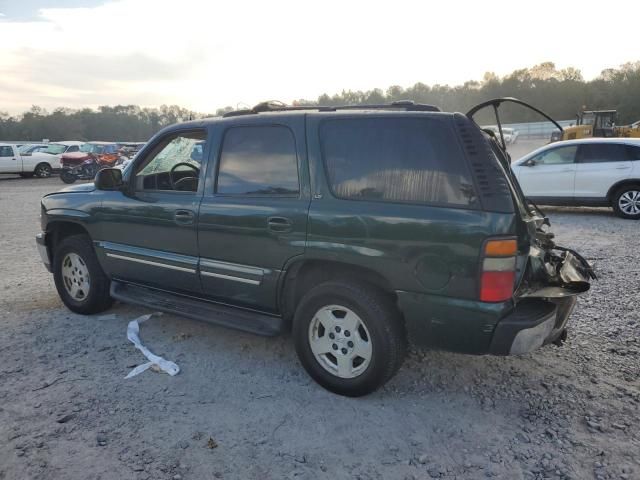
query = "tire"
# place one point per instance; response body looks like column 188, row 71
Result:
column 80, row 281
column 68, row 177
column 329, row 309
column 42, row 170
column 626, row 202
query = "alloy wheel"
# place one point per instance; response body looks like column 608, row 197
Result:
column 340, row 341
column 75, row 276
column 629, row 202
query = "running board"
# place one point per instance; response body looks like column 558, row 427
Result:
column 226, row 316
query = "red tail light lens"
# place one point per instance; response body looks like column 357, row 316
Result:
column 496, row 286
column 498, row 270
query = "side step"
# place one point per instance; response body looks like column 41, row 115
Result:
column 246, row 320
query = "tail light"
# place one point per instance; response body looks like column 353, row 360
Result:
column 498, row 273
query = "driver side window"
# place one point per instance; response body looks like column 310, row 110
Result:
column 557, row 156
column 174, row 164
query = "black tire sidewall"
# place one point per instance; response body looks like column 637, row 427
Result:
column 375, row 313
column 67, row 177
column 616, row 199
column 98, row 299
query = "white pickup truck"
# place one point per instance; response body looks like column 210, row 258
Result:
column 40, row 164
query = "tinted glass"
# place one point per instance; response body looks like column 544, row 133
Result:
column 6, row 151
column 557, row 156
column 603, row 152
column 414, row 160
column 634, row 152
column 258, row 161
column 73, row 148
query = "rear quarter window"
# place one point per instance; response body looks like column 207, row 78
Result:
column 412, row 160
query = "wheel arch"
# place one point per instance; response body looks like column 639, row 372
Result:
column 303, row 274
column 622, row 183
column 42, row 163
column 58, row 230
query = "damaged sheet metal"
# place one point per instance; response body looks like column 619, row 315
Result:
column 555, row 272
column 133, row 334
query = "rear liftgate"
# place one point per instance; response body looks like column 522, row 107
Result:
column 552, row 273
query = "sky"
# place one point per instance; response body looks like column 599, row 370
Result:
column 204, row 55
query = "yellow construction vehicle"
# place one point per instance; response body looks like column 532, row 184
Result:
column 597, row 123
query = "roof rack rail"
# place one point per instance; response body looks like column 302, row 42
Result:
column 277, row 106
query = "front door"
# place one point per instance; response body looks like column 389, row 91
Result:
column 9, row 161
column 601, row 165
column 253, row 216
column 148, row 234
column 550, row 174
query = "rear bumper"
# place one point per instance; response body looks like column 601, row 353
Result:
column 533, row 323
column 43, row 250
column 483, row 328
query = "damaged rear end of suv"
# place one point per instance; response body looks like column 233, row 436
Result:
column 548, row 277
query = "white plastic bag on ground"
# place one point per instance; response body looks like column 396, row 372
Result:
column 133, row 334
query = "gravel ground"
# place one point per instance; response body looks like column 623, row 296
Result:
column 242, row 407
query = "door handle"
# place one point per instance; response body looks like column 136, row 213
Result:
column 279, row 224
column 184, row 217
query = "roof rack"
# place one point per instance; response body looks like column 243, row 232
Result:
column 277, row 106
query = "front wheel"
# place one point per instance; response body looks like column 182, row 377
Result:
column 80, row 281
column 626, row 202
column 42, row 170
column 349, row 337
column 67, row 177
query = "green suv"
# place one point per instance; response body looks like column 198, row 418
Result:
column 358, row 229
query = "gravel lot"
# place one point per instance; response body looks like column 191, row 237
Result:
column 243, row 408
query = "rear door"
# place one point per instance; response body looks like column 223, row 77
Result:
column 550, row 174
column 253, row 216
column 599, row 166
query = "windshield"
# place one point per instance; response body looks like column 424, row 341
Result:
column 54, row 149
column 588, row 119
column 92, row 148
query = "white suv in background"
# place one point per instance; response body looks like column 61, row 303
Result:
column 592, row 171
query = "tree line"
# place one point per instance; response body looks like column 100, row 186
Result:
column 559, row 92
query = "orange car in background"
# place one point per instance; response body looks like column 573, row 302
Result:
column 93, row 156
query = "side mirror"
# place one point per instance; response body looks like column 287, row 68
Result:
column 109, row 179
column 529, row 163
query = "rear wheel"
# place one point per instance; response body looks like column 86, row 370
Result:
column 80, row 281
column 626, row 202
column 349, row 337
column 42, row 170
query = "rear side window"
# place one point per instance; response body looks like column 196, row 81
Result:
column 634, row 152
column 415, row 160
column 258, row 161
column 603, row 152
column 6, row 151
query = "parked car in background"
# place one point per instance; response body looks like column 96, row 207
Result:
column 12, row 161
column 31, row 148
column 85, row 163
column 54, row 151
column 510, row 135
column 356, row 227
column 591, row 171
